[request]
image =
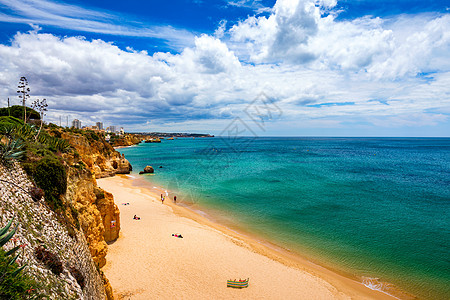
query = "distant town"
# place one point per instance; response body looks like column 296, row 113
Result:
column 98, row 127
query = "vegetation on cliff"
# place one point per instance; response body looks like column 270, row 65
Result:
column 17, row 111
column 62, row 164
column 14, row 284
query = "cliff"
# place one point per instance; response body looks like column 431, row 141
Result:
column 75, row 219
column 126, row 140
column 39, row 226
column 97, row 154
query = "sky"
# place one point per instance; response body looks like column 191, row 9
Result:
column 234, row 67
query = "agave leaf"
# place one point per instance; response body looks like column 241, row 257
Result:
column 14, row 259
column 6, row 228
column 7, row 236
column 12, row 250
column 14, row 274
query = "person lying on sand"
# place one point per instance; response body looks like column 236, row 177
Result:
column 177, row 235
column 136, row 217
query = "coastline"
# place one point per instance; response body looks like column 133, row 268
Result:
column 322, row 283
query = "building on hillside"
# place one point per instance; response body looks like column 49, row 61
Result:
column 112, row 129
column 76, row 124
column 99, row 125
column 122, row 132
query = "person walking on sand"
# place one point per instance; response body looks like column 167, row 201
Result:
column 175, row 199
column 161, row 197
column 162, row 200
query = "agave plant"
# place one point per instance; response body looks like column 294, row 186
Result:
column 11, row 149
column 25, row 132
column 54, row 143
column 5, row 236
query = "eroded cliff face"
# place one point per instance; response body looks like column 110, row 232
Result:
column 80, row 192
column 110, row 215
column 127, row 140
column 98, row 155
column 98, row 215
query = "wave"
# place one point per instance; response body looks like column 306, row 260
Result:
column 377, row 285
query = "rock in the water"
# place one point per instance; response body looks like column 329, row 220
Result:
column 147, row 169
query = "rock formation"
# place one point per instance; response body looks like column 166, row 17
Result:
column 99, row 156
column 147, row 169
column 153, row 140
column 126, row 140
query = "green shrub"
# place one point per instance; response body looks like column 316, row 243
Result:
column 13, row 283
column 74, row 212
column 17, row 111
column 91, row 135
column 50, row 175
column 10, row 121
column 20, row 286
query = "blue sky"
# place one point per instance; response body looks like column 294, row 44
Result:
column 333, row 68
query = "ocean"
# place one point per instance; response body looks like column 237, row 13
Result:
column 377, row 208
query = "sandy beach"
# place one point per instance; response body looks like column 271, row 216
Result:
column 147, row 262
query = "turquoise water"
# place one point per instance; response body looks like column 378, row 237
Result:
column 376, row 207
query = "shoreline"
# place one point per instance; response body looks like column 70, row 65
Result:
column 343, row 285
column 290, row 258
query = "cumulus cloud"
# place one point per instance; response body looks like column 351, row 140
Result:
column 320, row 72
column 297, row 33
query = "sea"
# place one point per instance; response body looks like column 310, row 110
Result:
column 375, row 208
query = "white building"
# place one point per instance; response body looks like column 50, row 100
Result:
column 76, row 124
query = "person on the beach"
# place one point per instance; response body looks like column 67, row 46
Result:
column 175, row 199
column 162, row 200
column 162, row 197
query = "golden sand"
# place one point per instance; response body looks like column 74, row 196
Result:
column 147, row 262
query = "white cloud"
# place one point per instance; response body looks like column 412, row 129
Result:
column 320, row 72
column 50, row 13
column 297, row 33
column 255, row 5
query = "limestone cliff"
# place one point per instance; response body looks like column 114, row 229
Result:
column 126, row 140
column 98, row 215
column 97, row 154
